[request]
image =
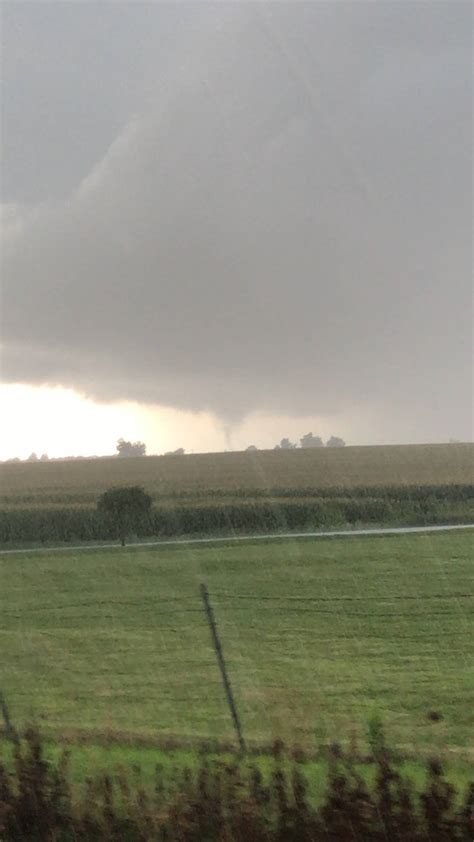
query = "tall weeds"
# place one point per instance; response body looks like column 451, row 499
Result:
column 228, row 802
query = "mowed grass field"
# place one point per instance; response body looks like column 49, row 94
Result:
column 319, row 635
column 209, row 475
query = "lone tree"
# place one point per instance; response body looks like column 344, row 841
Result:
column 335, row 441
column 311, row 441
column 286, row 444
column 127, row 448
column 126, row 509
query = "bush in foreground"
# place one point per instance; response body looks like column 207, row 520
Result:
column 228, row 801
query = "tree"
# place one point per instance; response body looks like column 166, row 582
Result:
column 311, row 441
column 126, row 509
column 32, row 457
column 44, row 457
column 127, row 448
column 335, row 441
column 286, row 444
column 179, row 452
column 252, row 448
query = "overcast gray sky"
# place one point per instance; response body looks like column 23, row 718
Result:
column 242, row 207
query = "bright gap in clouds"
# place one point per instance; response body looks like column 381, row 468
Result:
column 61, row 422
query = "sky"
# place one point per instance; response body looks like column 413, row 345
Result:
column 225, row 223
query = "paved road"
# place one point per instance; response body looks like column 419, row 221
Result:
column 348, row 533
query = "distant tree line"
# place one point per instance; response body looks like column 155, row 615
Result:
column 33, row 457
column 138, row 448
column 309, row 441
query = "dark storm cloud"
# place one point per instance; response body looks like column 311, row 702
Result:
column 285, row 226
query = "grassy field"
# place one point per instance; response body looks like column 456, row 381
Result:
column 319, row 635
column 208, row 475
